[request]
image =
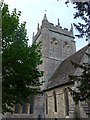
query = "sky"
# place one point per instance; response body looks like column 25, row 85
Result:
column 34, row 10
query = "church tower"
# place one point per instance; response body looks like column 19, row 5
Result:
column 57, row 45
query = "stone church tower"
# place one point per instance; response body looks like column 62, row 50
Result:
column 57, row 45
column 54, row 99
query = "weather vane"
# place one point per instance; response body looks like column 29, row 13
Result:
column 45, row 11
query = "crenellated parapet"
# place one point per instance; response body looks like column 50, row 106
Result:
column 54, row 28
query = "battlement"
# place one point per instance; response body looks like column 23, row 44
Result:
column 52, row 27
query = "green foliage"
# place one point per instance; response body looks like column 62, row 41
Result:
column 20, row 72
column 83, row 12
column 83, row 80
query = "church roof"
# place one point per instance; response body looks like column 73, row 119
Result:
column 60, row 76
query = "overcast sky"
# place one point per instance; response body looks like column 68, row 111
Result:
column 34, row 10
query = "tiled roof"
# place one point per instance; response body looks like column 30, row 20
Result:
column 66, row 68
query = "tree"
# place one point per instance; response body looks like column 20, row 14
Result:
column 82, row 90
column 83, row 12
column 20, row 72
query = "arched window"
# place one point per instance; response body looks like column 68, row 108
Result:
column 31, row 104
column 18, row 108
column 66, row 102
column 24, row 108
column 46, row 104
column 55, row 101
column 66, row 49
column 53, row 47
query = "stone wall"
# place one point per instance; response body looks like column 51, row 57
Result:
column 57, row 45
column 37, row 110
column 60, row 99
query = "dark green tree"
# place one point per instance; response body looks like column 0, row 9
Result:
column 83, row 12
column 20, row 72
column 82, row 91
column 83, row 28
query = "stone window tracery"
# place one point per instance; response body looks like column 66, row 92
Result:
column 65, row 49
column 53, row 47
